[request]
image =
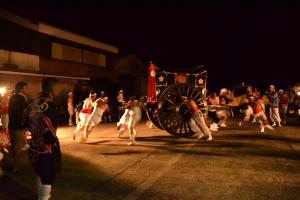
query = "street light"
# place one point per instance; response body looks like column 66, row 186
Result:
column 2, row 91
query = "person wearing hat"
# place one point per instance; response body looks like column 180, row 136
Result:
column 70, row 108
column 274, row 106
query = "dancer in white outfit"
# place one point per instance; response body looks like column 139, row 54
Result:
column 130, row 118
column 85, row 113
column 96, row 117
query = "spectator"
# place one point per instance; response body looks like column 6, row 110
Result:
column 283, row 104
column 107, row 113
column 121, row 103
column 4, row 110
column 70, row 108
column 44, row 152
column 274, row 104
column 16, row 107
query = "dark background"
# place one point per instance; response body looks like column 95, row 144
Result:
column 255, row 42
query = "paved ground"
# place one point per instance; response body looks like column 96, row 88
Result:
column 240, row 163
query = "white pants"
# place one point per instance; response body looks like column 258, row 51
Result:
column 43, row 190
column 222, row 115
column 70, row 109
column 83, row 121
column 274, row 115
column 134, row 116
column 124, row 119
column 261, row 116
column 248, row 112
column 71, row 113
column 96, row 117
column 198, row 124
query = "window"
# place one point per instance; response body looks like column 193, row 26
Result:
column 17, row 60
column 69, row 53
column 25, row 61
column 93, row 58
column 64, row 52
column 4, row 54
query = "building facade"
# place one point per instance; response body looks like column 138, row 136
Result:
column 30, row 51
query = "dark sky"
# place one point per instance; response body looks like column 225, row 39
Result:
column 257, row 42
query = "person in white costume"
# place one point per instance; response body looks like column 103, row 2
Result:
column 129, row 119
column 85, row 113
column 99, row 107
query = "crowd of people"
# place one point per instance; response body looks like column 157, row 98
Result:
column 253, row 105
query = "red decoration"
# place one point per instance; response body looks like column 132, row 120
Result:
column 151, row 84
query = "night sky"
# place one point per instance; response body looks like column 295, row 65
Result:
column 257, row 43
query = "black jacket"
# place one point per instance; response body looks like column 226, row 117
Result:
column 16, row 107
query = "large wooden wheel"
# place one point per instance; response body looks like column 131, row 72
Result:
column 152, row 115
column 173, row 115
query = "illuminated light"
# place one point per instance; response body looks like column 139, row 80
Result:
column 298, row 92
column 2, row 91
column 152, row 73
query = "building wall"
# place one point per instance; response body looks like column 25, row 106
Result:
column 57, row 67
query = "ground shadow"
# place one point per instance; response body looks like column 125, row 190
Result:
column 264, row 137
column 12, row 190
column 78, row 179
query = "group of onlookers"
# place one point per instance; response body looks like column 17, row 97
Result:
column 38, row 118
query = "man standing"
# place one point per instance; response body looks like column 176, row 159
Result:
column 16, row 107
column 274, row 106
column 44, row 152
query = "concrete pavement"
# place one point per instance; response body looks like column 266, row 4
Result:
column 240, row 163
